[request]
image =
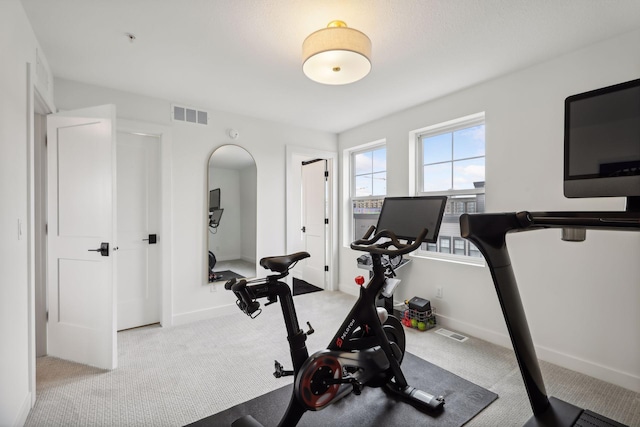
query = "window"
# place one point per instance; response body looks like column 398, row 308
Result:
column 451, row 161
column 370, row 173
column 368, row 188
column 445, row 244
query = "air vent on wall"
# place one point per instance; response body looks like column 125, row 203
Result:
column 189, row 115
column 452, row 335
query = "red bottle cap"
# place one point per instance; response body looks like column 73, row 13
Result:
column 360, row 280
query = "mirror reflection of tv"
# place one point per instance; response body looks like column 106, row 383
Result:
column 214, row 199
column 214, row 217
column 406, row 217
column 602, row 143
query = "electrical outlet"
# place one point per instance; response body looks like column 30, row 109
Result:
column 439, row 292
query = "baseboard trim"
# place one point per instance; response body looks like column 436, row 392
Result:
column 205, row 314
column 501, row 339
column 350, row 290
column 595, row 370
column 23, row 413
column 248, row 259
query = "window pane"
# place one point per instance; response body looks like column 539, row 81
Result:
column 437, row 177
column 379, row 184
column 445, row 245
column 363, row 163
column 436, row 148
column 471, row 207
column 468, row 142
column 454, row 164
column 466, row 172
column 380, row 160
column 363, row 186
column 473, row 251
column 458, row 246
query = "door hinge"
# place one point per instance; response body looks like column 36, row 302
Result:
column 46, row 316
column 326, row 268
column 326, row 175
column 326, row 220
column 46, row 229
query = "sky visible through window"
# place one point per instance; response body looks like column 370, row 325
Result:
column 371, row 173
column 453, row 160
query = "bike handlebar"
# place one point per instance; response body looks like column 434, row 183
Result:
column 372, row 246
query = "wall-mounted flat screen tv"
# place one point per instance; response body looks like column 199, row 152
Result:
column 602, row 143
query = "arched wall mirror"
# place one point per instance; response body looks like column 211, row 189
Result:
column 231, row 228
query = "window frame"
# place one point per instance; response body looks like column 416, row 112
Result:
column 352, row 170
column 447, row 127
column 351, row 155
column 417, row 170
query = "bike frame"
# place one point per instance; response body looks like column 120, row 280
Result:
column 360, row 353
column 364, row 314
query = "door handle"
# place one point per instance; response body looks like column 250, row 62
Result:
column 103, row 249
column 153, row 239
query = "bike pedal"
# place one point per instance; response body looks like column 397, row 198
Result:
column 280, row 371
column 357, row 388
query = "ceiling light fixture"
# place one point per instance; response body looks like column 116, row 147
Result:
column 336, row 55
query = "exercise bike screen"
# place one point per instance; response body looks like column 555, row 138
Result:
column 407, row 216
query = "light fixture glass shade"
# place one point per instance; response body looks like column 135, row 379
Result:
column 336, row 55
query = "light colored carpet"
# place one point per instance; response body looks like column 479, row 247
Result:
column 174, row 376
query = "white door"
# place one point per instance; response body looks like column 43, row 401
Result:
column 138, row 221
column 81, row 155
column 313, row 221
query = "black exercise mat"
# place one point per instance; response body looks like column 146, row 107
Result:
column 301, row 287
column 374, row 407
column 226, row 275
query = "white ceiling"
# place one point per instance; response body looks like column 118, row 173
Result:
column 244, row 56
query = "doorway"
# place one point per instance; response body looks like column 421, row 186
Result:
column 162, row 137
column 328, row 215
column 315, row 222
column 138, row 200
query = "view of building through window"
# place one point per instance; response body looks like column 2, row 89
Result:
column 449, row 239
column 369, row 186
column 453, row 164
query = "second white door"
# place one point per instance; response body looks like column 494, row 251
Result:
column 314, row 214
column 138, row 223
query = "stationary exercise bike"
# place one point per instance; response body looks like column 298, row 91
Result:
column 369, row 346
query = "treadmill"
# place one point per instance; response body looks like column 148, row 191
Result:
column 488, row 232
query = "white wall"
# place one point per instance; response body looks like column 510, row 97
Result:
column 192, row 146
column 582, row 299
column 18, row 48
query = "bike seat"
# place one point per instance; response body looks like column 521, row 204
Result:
column 280, row 264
